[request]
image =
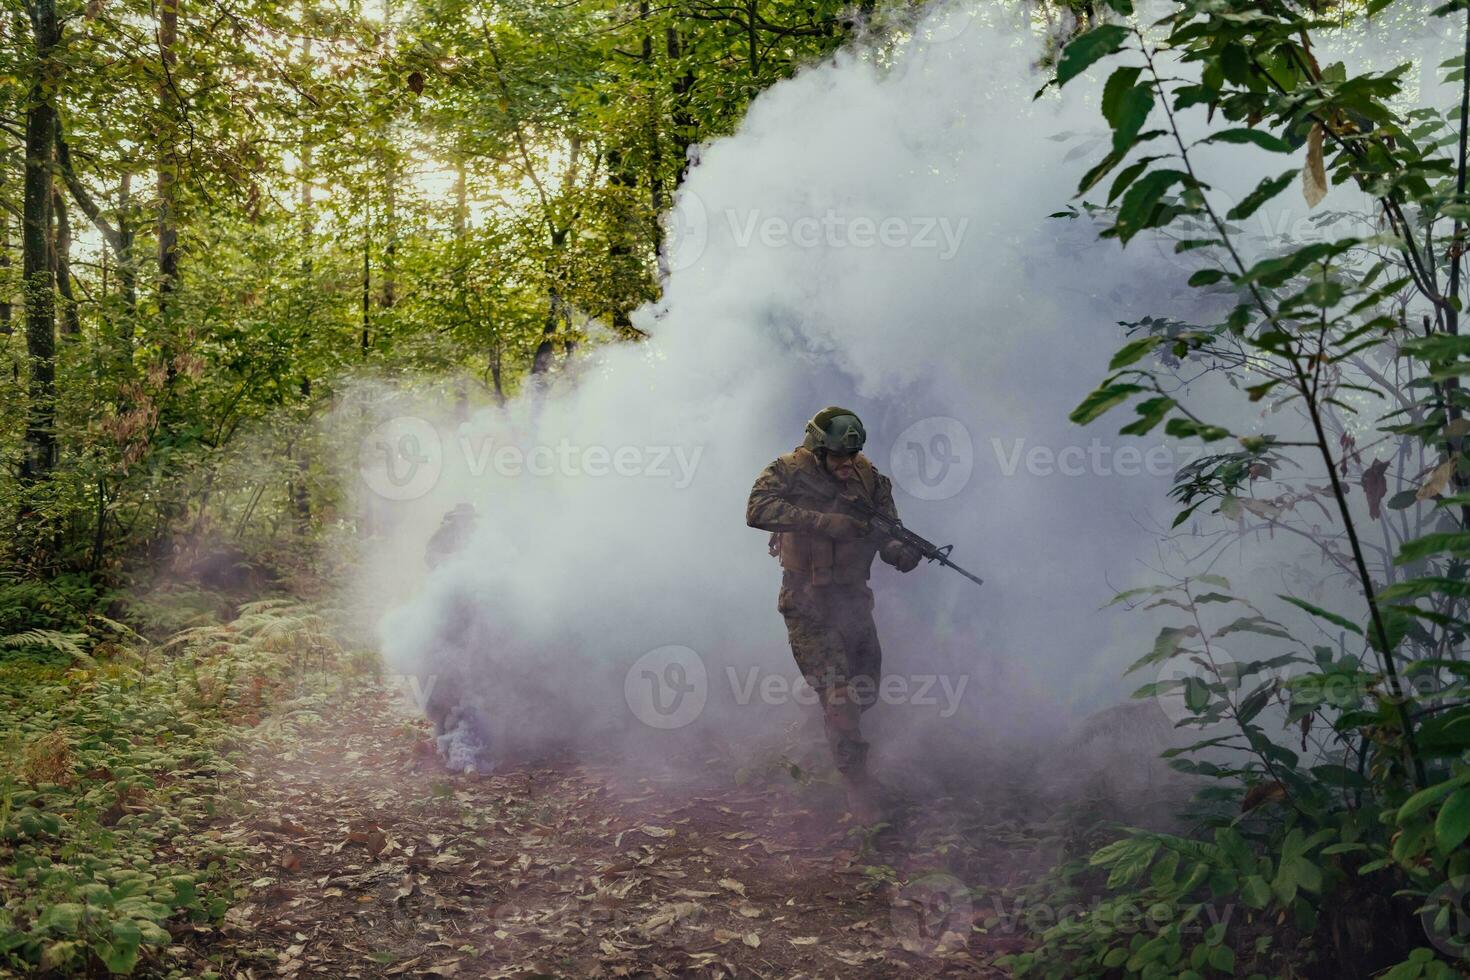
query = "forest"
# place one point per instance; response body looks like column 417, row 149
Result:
column 310, row 667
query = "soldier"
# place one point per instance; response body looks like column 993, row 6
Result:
column 457, row 728
column 453, row 531
column 826, row 555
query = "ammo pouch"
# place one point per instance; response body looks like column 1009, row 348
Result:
column 819, row 560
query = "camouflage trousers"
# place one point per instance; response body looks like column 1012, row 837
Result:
column 835, row 644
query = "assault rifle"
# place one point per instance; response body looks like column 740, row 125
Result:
column 892, row 527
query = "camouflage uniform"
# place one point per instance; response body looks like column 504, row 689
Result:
column 454, row 531
column 445, row 686
column 824, row 597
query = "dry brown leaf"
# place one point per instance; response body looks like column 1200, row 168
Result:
column 730, row 884
column 1438, row 480
column 1375, row 485
column 1314, row 174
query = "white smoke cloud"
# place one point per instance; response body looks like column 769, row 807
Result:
column 875, row 237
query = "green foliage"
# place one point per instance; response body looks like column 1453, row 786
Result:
column 1339, row 840
column 112, row 768
column 394, row 192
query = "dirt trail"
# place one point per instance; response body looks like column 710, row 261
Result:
column 369, row 860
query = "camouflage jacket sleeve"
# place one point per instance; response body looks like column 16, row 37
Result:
column 883, row 501
column 770, row 508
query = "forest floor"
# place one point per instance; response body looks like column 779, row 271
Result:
column 367, row 859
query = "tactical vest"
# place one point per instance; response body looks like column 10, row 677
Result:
column 816, row 558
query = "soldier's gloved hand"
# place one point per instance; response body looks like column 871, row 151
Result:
column 906, row 560
column 901, row 556
column 840, row 526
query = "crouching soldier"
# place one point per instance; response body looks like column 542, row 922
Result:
column 448, row 689
column 826, row 552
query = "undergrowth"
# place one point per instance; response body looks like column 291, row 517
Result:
column 118, row 757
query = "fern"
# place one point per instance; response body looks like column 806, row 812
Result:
column 68, row 644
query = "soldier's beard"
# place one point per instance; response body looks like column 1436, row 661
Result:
column 840, row 469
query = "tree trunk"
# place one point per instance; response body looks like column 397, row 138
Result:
column 127, row 267
column 7, row 326
column 389, row 158
column 681, row 115
column 71, row 318
column 119, row 239
column 461, row 199
column 367, row 297
column 40, row 296
column 168, row 162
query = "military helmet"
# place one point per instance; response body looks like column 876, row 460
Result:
column 835, row 430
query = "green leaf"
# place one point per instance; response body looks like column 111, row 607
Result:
column 1264, row 191
column 1134, row 351
column 1255, row 892
column 1166, row 644
column 1254, row 624
column 1206, row 277
column 64, row 918
column 1321, row 613
column 1427, row 797
column 1453, row 824
column 1088, row 48
column 1140, row 204
column 1100, row 401
column 1453, row 542
column 1151, row 412
column 1259, row 137
column 1132, row 113
column 1119, row 84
